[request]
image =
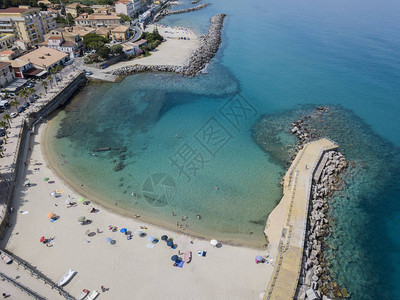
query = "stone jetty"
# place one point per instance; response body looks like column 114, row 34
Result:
column 286, row 227
column 165, row 12
column 195, row 1
column 209, row 45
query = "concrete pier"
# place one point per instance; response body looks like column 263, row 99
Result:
column 287, row 224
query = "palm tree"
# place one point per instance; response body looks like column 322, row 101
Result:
column 31, row 91
column 15, row 103
column 3, row 124
column 50, row 78
column 7, row 118
column 5, row 139
column 44, row 84
column 24, row 93
column 59, row 69
column 52, row 72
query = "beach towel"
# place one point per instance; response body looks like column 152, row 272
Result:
column 24, row 212
column 179, row 263
column 204, row 253
column 52, row 220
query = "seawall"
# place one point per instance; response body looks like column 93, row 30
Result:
column 287, row 225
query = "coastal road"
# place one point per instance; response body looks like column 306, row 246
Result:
column 138, row 34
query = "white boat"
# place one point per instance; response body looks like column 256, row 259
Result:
column 70, row 273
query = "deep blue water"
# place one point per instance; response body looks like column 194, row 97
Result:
column 276, row 56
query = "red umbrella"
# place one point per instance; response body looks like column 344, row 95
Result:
column 42, row 239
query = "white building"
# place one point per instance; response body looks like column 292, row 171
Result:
column 125, row 7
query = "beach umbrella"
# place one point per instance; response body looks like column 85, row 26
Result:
column 113, row 242
column 108, row 240
column 164, row 237
column 150, row 238
column 81, row 219
column 50, row 215
column 123, row 230
column 42, row 239
column 138, row 232
column 53, row 193
column 214, row 242
column 27, row 182
column 174, row 257
column 46, row 178
column 259, row 258
column 81, row 199
column 170, row 243
column 87, row 232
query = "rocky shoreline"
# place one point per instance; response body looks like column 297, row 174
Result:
column 209, row 45
column 195, row 1
column 315, row 275
column 165, row 12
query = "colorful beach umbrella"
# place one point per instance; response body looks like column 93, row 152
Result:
column 50, row 215
column 150, row 238
column 42, row 239
column 81, row 199
column 259, row 258
column 170, row 243
column 81, row 219
column 164, row 237
column 174, row 257
column 108, row 240
column 46, row 178
column 123, row 230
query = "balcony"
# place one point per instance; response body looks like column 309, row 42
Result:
column 6, row 30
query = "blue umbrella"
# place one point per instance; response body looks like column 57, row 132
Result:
column 123, row 230
column 164, row 237
column 259, row 258
column 108, row 240
column 174, row 257
column 170, row 243
column 150, row 238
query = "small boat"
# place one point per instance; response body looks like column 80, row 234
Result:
column 83, row 294
column 187, row 257
column 70, row 273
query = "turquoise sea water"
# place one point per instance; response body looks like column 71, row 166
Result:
column 276, row 58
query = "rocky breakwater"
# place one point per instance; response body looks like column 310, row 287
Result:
column 182, row 11
column 195, row 1
column 315, row 279
column 209, row 45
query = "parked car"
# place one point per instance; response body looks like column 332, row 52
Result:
column 89, row 73
column 30, row 85
column 67, row 63
column 35, row 96
column 4, row 103
column 14, row 114
column 26, row 105
column 31, row 100
column 58, row 79
column 20, row 109
column 2, row 131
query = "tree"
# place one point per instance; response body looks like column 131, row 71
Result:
column 116, row 49
column 124, row 18
column 50, row 79
column 7, row 118
column 103, row 52
column 3, row 124
column 24, row 93
column 44, row 84
column 58, row 69
column 15, row 103
column 93, row 41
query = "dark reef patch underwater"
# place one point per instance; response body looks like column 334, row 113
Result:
column 360, row 246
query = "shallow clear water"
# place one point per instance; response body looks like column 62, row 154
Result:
column 278, row 56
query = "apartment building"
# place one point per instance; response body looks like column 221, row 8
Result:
column 125, row 7
column 96, row 20
column 6, row 73
column 73, row 10
column 26, row 23
column 6, row 40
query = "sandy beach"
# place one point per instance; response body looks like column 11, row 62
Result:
column 130, row 269
column 173, row 51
